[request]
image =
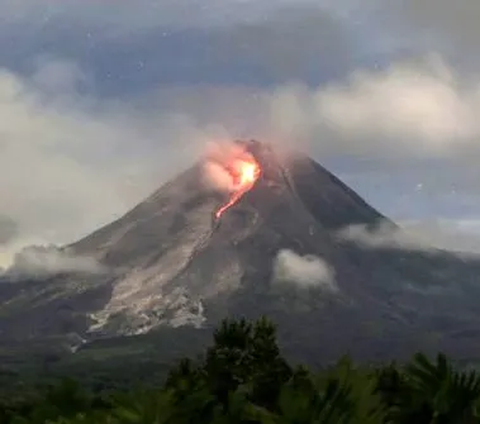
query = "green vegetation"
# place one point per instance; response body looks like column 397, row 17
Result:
column 242, row 378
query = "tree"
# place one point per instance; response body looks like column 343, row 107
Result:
column 248, row 355
column 435, row 393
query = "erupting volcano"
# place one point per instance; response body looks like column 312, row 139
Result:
column 280, row 253
column 244, row 174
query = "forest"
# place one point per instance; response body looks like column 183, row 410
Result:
column 242, row 378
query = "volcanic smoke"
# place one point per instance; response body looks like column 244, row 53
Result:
column 244, row 175
column 235, row 171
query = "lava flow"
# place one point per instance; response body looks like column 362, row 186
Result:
column 244, row 174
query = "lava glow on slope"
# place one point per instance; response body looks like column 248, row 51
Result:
column 244, row 173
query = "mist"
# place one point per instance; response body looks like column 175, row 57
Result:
column 303, row 271
column 45, row 261
column 429, row 236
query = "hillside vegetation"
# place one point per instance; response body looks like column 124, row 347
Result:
column 243, row 378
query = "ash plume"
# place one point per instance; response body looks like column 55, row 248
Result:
column 218, row 158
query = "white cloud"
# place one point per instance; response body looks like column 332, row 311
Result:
column 410, row 108
column 304, row 271
column 460, row 236
column 405, row 101
column 46, row 184
column 70, row 163
column 49, row 260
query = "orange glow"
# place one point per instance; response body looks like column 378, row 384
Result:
column 244, row 173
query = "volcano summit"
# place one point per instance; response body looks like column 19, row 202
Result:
column 252, row 231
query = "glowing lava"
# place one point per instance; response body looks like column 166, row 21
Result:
column 244, row 174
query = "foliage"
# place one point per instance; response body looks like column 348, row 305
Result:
column 242, row 378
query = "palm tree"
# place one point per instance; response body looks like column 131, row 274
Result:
column 435, row 393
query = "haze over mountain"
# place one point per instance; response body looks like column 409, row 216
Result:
column 288, row 248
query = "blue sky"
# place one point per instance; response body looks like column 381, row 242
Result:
column 102, row 101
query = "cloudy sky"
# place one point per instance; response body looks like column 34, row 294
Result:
column 102, row 101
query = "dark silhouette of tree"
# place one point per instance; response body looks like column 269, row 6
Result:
column 436, row 393
column 243, row 379
column 245, row 354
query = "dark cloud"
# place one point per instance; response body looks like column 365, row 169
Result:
column 305, row 43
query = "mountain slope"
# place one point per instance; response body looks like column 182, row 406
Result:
column 171, row 262
column 171, row 254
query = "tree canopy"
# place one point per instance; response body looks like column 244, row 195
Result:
column 242, row 378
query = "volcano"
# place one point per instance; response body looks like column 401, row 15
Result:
column 264, row 240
